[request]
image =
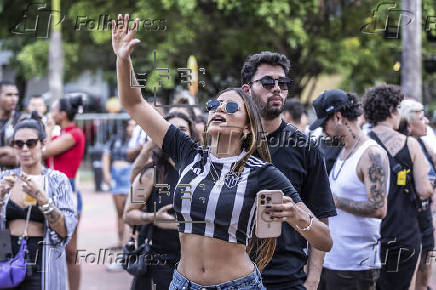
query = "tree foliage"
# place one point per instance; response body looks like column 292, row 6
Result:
column 318, row 37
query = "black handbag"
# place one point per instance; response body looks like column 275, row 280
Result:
column 137, row 259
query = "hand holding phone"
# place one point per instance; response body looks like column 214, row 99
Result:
column 265, row 226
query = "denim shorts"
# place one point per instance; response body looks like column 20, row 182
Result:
column 121, row 180
column 252, row 281
column 79, row 196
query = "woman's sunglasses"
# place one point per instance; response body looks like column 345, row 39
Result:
column 30, row 143
column 230, row 107
column 269, row 83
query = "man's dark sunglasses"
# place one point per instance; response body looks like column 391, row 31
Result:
column 269, row 83
column 31, row 143
column 230, row 108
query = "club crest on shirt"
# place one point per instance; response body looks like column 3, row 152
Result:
column 232, row 179
column 196, row 170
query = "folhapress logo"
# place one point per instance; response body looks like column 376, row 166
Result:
column 388, row 18
column 36, row 21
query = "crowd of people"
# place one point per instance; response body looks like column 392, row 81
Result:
column 355, row 214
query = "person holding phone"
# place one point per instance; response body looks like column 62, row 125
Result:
column 214, row 199
column 140, row 210
column 53, row 216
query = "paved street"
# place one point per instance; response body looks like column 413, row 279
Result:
column 97, row 232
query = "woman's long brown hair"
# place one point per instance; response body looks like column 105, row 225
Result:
column 255, row 144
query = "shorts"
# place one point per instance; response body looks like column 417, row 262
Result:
column 121, row 180
column 425, row 220
column 348, row 280
column 252, row 281
column 79, row 196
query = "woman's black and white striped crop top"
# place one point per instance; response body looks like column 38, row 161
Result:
column 203, row 206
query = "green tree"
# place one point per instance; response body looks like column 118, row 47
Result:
column 318, row 36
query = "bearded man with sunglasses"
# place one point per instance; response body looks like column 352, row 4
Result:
column 264, row 77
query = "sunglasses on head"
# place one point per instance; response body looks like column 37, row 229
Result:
column 269, row 83
column 230, row 107
column 30, row 143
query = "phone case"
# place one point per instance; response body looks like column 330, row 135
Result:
column 265, row 226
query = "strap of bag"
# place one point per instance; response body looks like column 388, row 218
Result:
column 377, row 139
column 29, row 210
column 427, row 154
column 27, row 221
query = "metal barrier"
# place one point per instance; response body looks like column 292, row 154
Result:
column 99, row 129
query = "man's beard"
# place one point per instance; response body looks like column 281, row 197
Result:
column 267, row 112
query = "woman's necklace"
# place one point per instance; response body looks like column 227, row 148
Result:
column 346, row 158
column 220, row 181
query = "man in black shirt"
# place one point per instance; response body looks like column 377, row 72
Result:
column 264, row 78
column 8, row 118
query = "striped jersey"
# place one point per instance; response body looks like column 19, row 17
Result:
column 210, row 200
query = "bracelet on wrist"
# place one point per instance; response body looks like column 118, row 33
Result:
column 308, row 227
column 45, row 207
column 49, row 210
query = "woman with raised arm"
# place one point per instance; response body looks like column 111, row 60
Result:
column 214, row 199
column 147, row 201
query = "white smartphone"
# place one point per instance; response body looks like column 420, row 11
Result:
column 265, row 226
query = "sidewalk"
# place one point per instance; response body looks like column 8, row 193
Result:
column 97, row 232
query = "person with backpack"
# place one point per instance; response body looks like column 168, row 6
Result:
column 400, row 233
column 414, row 123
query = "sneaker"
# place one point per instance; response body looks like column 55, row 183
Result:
column 114, row 267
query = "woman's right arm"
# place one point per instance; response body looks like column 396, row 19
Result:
column 138, row 196
column 131, row 99
column 420, row 169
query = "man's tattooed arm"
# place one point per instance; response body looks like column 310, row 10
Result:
column 374, row 167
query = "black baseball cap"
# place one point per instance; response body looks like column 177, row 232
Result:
column 326, row 104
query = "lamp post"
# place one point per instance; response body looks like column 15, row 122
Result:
column 56, row 56
column 411, row 63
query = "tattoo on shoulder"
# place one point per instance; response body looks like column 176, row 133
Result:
column 377, row 178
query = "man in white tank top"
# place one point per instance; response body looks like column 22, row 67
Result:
column 359, row 181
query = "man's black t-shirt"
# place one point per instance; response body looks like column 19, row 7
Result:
column 302, row 163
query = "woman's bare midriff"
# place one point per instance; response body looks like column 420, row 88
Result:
column 34, row 229
column 210, row 261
